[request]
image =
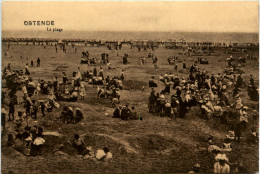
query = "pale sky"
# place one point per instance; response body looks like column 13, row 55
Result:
column 134, row 16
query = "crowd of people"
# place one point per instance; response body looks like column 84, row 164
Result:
column 216, row 96
column 45, row 96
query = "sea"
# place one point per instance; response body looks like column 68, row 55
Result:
column 223, row 37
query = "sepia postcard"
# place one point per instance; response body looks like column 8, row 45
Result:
column 130, row 87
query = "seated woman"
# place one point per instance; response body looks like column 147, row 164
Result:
column 45, row 88
column 19, row 144
column 195, row 169
column 152, row 84
column 221, row 166
column 63, row 114
column 227, row 145
column 119, row 84
column 115, row 101
column 117, row 112
column 99, row 80
column 31, row 88
column 74, row 96
column 104, row 154
column 161, row 78
column 109, row 66
column 167, row 109
column 27, row 137
column 221, row 156
column 218, row 111
column 52, row 98
column 69, row 115
column 133, row 114
column 252, row 137
column 101, row 92
column 214, row 149
column 78, row 115
column 37, row 145
column 231, row 135
column 80, row 145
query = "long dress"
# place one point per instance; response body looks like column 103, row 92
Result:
column 82, row 91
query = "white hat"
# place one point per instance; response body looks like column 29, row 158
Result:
column 39, row 141
column 167, row 104
column 245, row 107
column 221, row 157
column 3, row 110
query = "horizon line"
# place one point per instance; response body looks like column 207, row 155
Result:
column 176, row 31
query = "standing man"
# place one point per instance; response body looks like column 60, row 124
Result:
column 27, row 72
column 174, row 105
column 64, row 78
column 95, row 71
column 3, row 116
column 32, row 62
column 55, row 84
column 13, row 101
column 155, row 62
column 176, row 67
column 38, row 62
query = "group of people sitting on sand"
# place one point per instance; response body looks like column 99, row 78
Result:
column 85, row 59
column 67, row 115
column 110, row 88
column 87, row 152
column 28, row 140
column 125, row 113
column 216, row 95
column 208, row 91
column 220, row 153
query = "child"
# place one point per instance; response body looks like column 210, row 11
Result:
column 42, row 105
column 18, row 122
column 255, row 116
column 34, row 110
column 82, row 92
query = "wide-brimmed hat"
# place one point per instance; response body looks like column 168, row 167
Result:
column 167, row 104
column 196, row 166
column 3, row 110
column 245, row 107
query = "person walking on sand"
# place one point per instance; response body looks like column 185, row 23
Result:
column 32, row 62
column 27, row 72
column 38, row 62
column 176, row 67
